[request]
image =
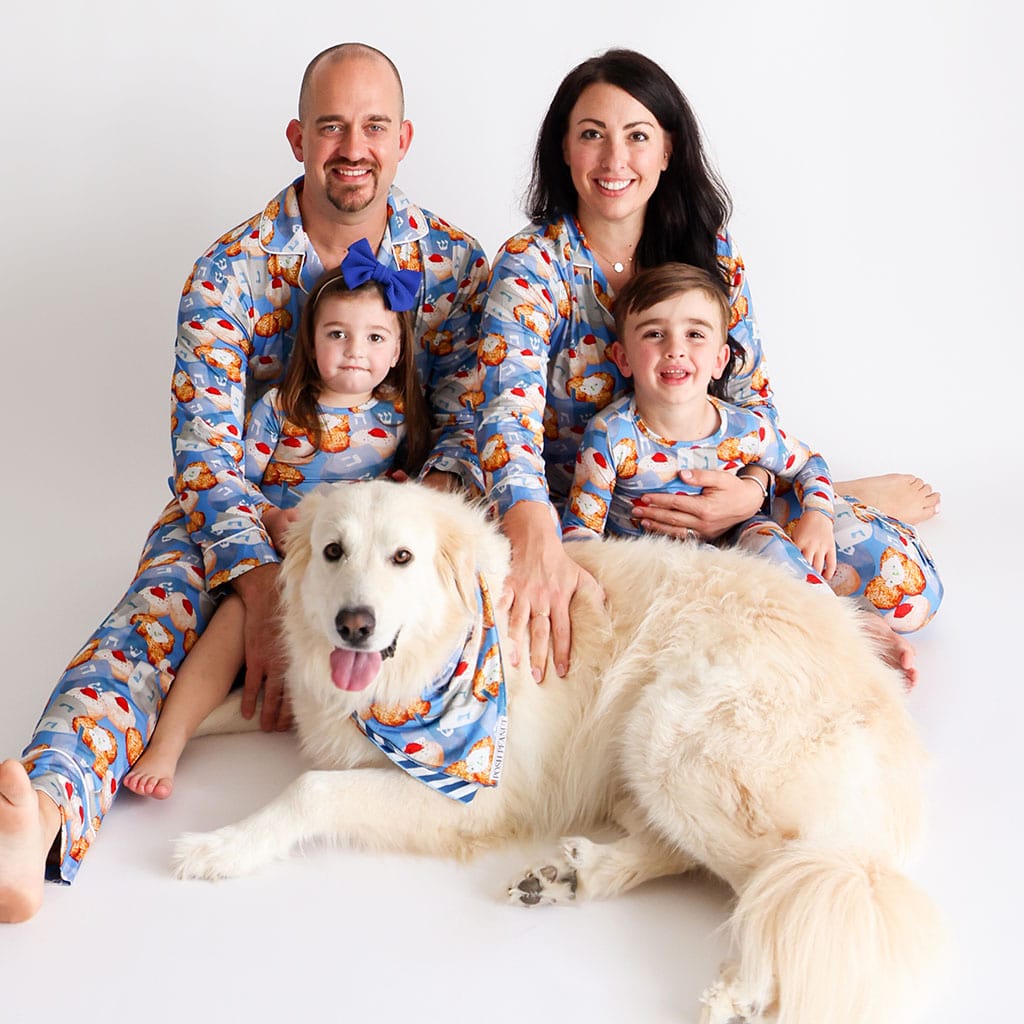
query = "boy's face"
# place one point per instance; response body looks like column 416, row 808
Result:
column 673, row 349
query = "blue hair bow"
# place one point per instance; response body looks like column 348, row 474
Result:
column 400, row 286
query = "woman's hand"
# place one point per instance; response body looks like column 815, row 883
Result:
column 540, row 587
column 814, row 535
column 725, row 500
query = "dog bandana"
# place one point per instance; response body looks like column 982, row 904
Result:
column 453, row 737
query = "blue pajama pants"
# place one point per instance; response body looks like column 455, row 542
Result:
column 880, row 562
column 105, row 705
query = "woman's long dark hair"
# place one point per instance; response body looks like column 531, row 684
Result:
column 300, row 390
column 690, row 205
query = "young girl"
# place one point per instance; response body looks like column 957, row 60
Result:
column 672, row 326
column 349, row 408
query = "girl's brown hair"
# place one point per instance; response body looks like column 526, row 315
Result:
column 299, row 393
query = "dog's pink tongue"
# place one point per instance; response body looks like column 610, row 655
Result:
column 354, row 670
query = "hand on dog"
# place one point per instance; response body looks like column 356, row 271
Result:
column 264, row 666
column 724, row 501
column 540, row 587
column 277, row 521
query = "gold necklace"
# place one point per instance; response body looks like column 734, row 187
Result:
column 617, row 265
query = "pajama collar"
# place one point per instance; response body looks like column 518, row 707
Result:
column 453, row 737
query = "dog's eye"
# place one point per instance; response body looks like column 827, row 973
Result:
column 403, row 556
column 333, row 552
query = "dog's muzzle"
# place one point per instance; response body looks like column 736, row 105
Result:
column 356, row 626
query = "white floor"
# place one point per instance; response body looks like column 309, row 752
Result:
column 335, row 931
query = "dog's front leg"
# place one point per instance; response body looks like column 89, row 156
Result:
column 378, row 808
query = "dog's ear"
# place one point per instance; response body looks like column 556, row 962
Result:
column 297, row 540
column 457, row 551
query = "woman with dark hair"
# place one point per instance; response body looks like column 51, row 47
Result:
column 621, row 182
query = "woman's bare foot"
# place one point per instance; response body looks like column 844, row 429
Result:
column 29, row 821
column 894, row 648
column 153, row 773
column 900, row 495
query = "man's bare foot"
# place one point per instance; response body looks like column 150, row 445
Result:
column 900, row 495
column 153, row 773
column 29, row 821
column 893, row 648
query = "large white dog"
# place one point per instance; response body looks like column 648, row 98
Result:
column 717, row 711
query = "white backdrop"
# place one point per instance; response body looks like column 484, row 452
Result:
column 873, row 155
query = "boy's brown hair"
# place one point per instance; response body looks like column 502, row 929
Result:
column 666, row 281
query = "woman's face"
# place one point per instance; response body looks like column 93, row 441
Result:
column 616, row 151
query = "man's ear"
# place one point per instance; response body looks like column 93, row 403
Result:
column 616, row 351
column 404, row 139
column 293, row 133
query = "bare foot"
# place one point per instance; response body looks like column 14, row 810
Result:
column 26, row 836
column 900, row 495
column 153, row 773
column 894, row 648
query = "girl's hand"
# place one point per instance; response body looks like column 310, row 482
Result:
column 724, row 501
column 277, row 520
column 540, row 588
column 814, row 536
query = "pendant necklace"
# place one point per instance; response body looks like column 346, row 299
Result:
column 617, row 265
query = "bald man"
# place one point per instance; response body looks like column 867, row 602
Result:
column 237, row 315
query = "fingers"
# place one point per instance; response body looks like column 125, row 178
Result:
column 540, row 634
column 830, row 562
column 251, row 688
column 671, row 516
column 273, row 698
column 671, row 524
column 561, row 638
column 518, row 620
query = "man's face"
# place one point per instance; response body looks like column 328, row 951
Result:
column 351, row 136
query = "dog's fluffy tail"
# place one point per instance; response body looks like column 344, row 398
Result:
column 847, row 939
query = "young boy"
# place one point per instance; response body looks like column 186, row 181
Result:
column 673, row 342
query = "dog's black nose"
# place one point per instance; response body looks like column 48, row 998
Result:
column 354, row 625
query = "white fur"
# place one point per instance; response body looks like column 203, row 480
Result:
column 717, row 712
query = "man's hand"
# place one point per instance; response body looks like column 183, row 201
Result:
column 724, row 501
column 277, row 521
column 264, row 661
column 441, row 481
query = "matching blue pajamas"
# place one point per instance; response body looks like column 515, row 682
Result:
column 537, row 378
column 545, row 375
column 238, row 313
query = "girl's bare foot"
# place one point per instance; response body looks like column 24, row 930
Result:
column 900, row 495
column 29, row 821
column 153, row 773
column 894, row 648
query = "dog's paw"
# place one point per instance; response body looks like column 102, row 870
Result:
column 208, row 855
column 551, row 883
column 722, row 1004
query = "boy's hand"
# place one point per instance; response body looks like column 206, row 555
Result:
column 814, row 536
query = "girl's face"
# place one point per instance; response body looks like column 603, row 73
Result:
column 357, row 340
column 616, row 151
